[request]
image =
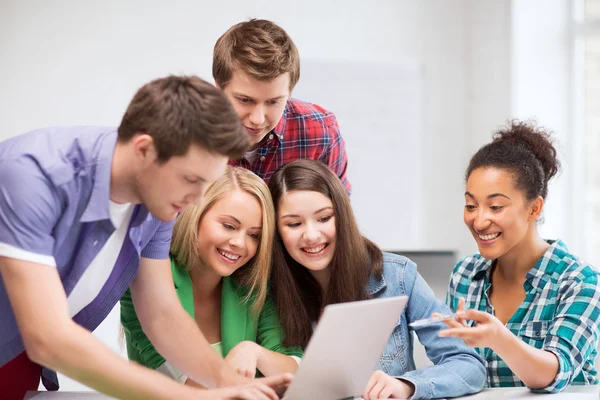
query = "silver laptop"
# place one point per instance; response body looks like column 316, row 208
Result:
column 344, row 349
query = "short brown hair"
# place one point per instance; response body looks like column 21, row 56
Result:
column 258, row 47
column 180, row 110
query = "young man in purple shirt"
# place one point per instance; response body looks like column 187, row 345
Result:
column 85, row 213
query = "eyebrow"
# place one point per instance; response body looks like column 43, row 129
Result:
column 238, row 221
column 251, row 98
column 297, row 216
column 491, row 196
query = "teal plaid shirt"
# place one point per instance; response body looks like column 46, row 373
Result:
column 560, row 314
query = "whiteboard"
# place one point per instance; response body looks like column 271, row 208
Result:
column 380, row 111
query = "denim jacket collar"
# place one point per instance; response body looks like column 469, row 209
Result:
column 375, row 285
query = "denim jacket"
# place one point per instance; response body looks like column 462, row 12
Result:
column 457, row 369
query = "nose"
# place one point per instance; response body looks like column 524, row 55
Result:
column 311, row 234
column 257, row 116
column 481, row 222
column 237, row 239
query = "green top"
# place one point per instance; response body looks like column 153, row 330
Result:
column 218, row 347
column 237, row 323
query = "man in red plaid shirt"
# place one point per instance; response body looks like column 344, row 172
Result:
column 257, row 65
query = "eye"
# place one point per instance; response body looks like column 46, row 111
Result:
column 272, row 102
column 255, row 236
column 470, row 207
column 192, row 180
column 496, row 208
column 293, row 224
column 325, row 219
column 244, row 100
column 227, row 226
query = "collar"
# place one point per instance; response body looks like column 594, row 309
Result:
column 279, row 129
column 375, row 285
column 97, row 208
column 537, row 276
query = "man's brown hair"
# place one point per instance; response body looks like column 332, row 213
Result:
column 178, row 111
column 259, row 48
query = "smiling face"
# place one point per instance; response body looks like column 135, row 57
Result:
column 496, row 212
column 229, row 232
column 259, row 104
column 306, row 223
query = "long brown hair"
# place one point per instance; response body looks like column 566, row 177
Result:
column 298, row 297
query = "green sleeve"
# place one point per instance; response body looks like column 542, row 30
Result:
column 269, row 333
column 139, row 347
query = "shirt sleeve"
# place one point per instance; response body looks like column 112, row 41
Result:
column 160, row 243
column 30, row 208
column 458, row 370
column 574, row 332
column 269, row 333
column 335, row 154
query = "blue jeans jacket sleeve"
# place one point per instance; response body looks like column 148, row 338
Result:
column 457, row 369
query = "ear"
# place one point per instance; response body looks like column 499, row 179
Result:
column 144, row 150
column 535, row 209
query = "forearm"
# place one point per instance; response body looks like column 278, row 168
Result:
column 77, row 354
column 187, row 349
column 535, row 367
column 272, row 363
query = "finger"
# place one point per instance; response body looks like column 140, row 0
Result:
column 372, row 381
column 374, row 393
column 463, row 333
column 477, row 316
column 387, row 392
column 264, row 392
column 279, row 383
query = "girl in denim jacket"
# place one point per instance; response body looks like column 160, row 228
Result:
column 314, row 267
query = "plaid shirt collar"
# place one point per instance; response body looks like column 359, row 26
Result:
column 279, row 129
column 537, row 277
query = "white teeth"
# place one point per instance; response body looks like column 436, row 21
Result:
column 229, row 255
column 489, row 237
column 314, row 249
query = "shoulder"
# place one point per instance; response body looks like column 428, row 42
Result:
column 397, row 266
column 308, row 113
column 564, row 268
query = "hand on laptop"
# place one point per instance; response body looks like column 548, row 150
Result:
column 244, row 358
column 383, row 386
column 270, row 388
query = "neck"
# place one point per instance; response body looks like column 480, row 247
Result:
column 122, row 177
column 514, row 265
column 206, row 283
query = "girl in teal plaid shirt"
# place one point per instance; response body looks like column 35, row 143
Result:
column 528, row 306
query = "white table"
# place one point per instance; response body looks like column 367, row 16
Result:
column 588, row 392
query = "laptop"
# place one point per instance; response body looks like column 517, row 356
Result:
column 345, row 348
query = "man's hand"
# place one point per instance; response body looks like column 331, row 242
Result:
column 383, row 386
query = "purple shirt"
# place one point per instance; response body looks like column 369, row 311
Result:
column 54, row 201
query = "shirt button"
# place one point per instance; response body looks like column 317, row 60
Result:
column 271, row 136
column 95, row 242
column 262, row 158
column 140, row 243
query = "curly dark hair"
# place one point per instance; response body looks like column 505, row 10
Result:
column 524, row 149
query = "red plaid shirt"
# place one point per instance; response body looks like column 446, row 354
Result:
column 304, row 131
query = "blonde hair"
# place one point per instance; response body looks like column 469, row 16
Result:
column 258, row 47
column 184, row 245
